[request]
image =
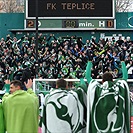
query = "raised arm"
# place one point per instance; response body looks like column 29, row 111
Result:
column 6, row 86
column 123, row 66
column 83, row 85
column 124, row 71
column 88, row 72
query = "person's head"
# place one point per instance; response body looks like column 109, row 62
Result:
column 107, row 76
column 70, row 83
column 15, row 85
column 61, row 83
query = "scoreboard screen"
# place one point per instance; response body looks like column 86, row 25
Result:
column 70, row 24
column 62, row 9
column 70, row 14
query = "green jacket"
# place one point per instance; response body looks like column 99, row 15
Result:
column 21, row 111
column 1, row 113
column 1, row 118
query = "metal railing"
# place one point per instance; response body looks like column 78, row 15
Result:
column 45, row 82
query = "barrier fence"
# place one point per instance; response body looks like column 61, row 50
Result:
column 47, row 84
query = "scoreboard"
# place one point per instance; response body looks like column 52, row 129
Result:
column 71, row 24
column 70, row 14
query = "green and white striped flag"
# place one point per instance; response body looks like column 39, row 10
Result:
column 64, row 112
column 108, row 107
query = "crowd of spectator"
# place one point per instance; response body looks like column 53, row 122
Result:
column 63, row 57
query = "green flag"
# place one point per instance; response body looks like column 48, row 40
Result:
column 64, row 111
column 108, row 107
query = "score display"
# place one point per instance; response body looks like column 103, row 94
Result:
column 70, row 9
column 71, row 24
column 70, row 14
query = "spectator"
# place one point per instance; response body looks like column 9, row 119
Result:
column 1, row 117
column 108, row 103
column 61, row 52
column 130, row 69
column 66, row 108
column 2, row 92
column 21, row 109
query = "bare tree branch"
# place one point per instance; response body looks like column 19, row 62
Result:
column 12, row 6
column 123, row 5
